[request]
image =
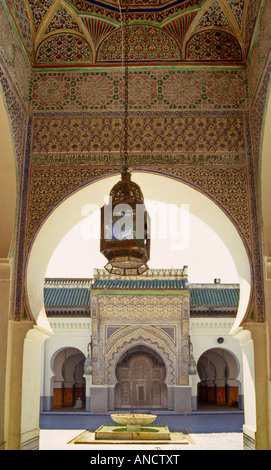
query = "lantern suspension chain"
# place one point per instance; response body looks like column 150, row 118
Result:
column 126, row 89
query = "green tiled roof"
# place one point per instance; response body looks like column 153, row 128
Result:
column 215, row 297
column 200, row 296
column 66, row 297
column 144, row 284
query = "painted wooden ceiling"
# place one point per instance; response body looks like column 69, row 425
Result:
column 88, row 33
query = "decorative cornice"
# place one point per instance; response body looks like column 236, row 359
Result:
column 78, row 324
column 208, row 323
column 150, row 274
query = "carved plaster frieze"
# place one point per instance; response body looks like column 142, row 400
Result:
column 143, row 308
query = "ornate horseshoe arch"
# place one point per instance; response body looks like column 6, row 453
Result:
column 134, row 335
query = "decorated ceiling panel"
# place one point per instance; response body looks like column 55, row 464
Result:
column 84, row 33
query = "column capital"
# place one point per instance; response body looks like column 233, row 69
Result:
column 267, row 262
column 6, row 265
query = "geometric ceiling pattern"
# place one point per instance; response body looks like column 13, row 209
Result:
column 84, row 33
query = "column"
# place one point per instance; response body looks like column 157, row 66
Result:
column 31, row 380
column 211, row 391
column 5, row 279
column 88, row 386
column 233, row 393
column 250, row 426
column 17, row 332
column 268, row 320
column 220, row 391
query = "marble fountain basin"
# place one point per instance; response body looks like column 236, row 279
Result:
column 133, row 422
column 133, row 427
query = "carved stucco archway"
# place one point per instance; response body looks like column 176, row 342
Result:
column 67, row 214
column 145, row 335
column 8, row 195
column 265, row 177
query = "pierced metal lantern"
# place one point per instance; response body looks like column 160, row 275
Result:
column 192, row 366
column 125, row 229
column 88, row 365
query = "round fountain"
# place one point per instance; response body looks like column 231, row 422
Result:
column 133, row 422
column 132, row 426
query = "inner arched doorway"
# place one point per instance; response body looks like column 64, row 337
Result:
column 140, row 373
column 218, row 370
column 79, row 207
column 69, row 387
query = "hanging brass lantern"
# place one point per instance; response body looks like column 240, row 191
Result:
column 125, row 225
column 125, row 229
column 192, row 365
column 88, row 365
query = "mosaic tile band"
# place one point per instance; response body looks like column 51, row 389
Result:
column 156, row 89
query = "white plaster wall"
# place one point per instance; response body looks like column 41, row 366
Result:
column 67, row 333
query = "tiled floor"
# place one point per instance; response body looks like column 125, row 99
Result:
column 204, row 430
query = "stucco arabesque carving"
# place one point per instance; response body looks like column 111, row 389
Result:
column 145, row 335
column 140, row 320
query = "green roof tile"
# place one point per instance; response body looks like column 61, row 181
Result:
column 215, row 297
column 222, row 296
column 66, row 297
column 163, row 284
